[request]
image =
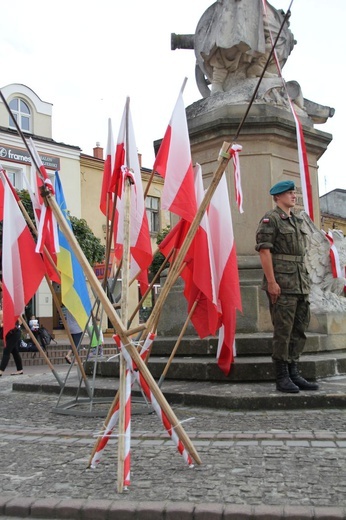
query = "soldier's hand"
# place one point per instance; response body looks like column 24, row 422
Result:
column 274, row 291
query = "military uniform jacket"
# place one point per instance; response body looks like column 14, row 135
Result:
column 286, row 239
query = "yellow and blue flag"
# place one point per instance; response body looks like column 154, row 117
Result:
column 74, row 291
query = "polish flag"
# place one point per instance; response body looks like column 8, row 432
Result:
column 22, row 268
column 173, row 162
column 334, row 256
column 197, row 274
column 226, row 272
column 33, row 191
column 47, row 224
column 127, row 166
column 106, row 199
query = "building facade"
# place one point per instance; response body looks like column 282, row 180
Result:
column 81, row 175
column 333, row 210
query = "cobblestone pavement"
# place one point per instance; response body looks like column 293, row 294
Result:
column 291, row 458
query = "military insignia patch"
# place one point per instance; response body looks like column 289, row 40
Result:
column 265, row 221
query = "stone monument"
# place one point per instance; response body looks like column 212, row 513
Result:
column 233, row 48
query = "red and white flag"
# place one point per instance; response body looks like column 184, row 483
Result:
column 47, row 224
column 173, row 162
column 198, row 274
column 22, row 268
column 127, row 164
column 334, row 256
column 235, row 149
column 199, row 289
column 106, row 199
column 226, row 272
column 32, row 188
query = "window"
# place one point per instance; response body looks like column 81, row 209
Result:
column 152, row 209
column 16, row 177
column 21, row 112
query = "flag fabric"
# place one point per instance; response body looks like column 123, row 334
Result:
column 173, row 162
column 235, row 149
column 127, row 167
column 22, row 268
column 334, row 256
column 36, row 205
column 106, row 199
column 198, row 274
column 226, row 275
column 74, row 291
column 199, row 288
column 47, row 225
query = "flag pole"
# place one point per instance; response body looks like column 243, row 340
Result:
column 124, row 308
column 162, row 266
column 177, row 343
column 57, row 304
column 174, row 271
column 117, row 324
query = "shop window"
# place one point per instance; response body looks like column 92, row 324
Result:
column 21, row 113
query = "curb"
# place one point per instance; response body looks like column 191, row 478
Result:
column 210, row 400
column 76, row 509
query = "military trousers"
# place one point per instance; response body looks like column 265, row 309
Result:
column 290, row 317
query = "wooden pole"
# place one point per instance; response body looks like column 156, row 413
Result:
column 56, row 301
column 177, row 343
column 175, row 268
column 124, row 316
column 151, row 285
column 119, row 328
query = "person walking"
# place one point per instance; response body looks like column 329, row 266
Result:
column 12, row 342
column 280, row 241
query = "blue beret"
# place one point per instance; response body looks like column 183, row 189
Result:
column 281, row 187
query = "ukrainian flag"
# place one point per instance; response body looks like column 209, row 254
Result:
column 74, row 292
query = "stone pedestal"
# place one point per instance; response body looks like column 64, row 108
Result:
column 269, row 155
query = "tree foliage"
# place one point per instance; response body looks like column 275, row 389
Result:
column 158, row 257
column 90, row 245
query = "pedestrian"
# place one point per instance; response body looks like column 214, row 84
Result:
column 36, row 330
column 76, row 333
column 280, row 241
column 11, row 346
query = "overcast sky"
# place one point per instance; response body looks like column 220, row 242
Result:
column 87, row 58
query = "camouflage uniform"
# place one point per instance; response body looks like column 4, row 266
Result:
column 290, row 315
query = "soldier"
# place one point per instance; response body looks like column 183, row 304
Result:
column 280, row 241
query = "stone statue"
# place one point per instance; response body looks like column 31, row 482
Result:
column 233, row 41
column 327, row 293
column 232, row 45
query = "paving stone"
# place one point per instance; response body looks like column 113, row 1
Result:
column 250, row 459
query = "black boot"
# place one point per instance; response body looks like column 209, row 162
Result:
column 283, row 381
column 299, row 380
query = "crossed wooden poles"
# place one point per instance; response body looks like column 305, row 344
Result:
column 174, row 272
